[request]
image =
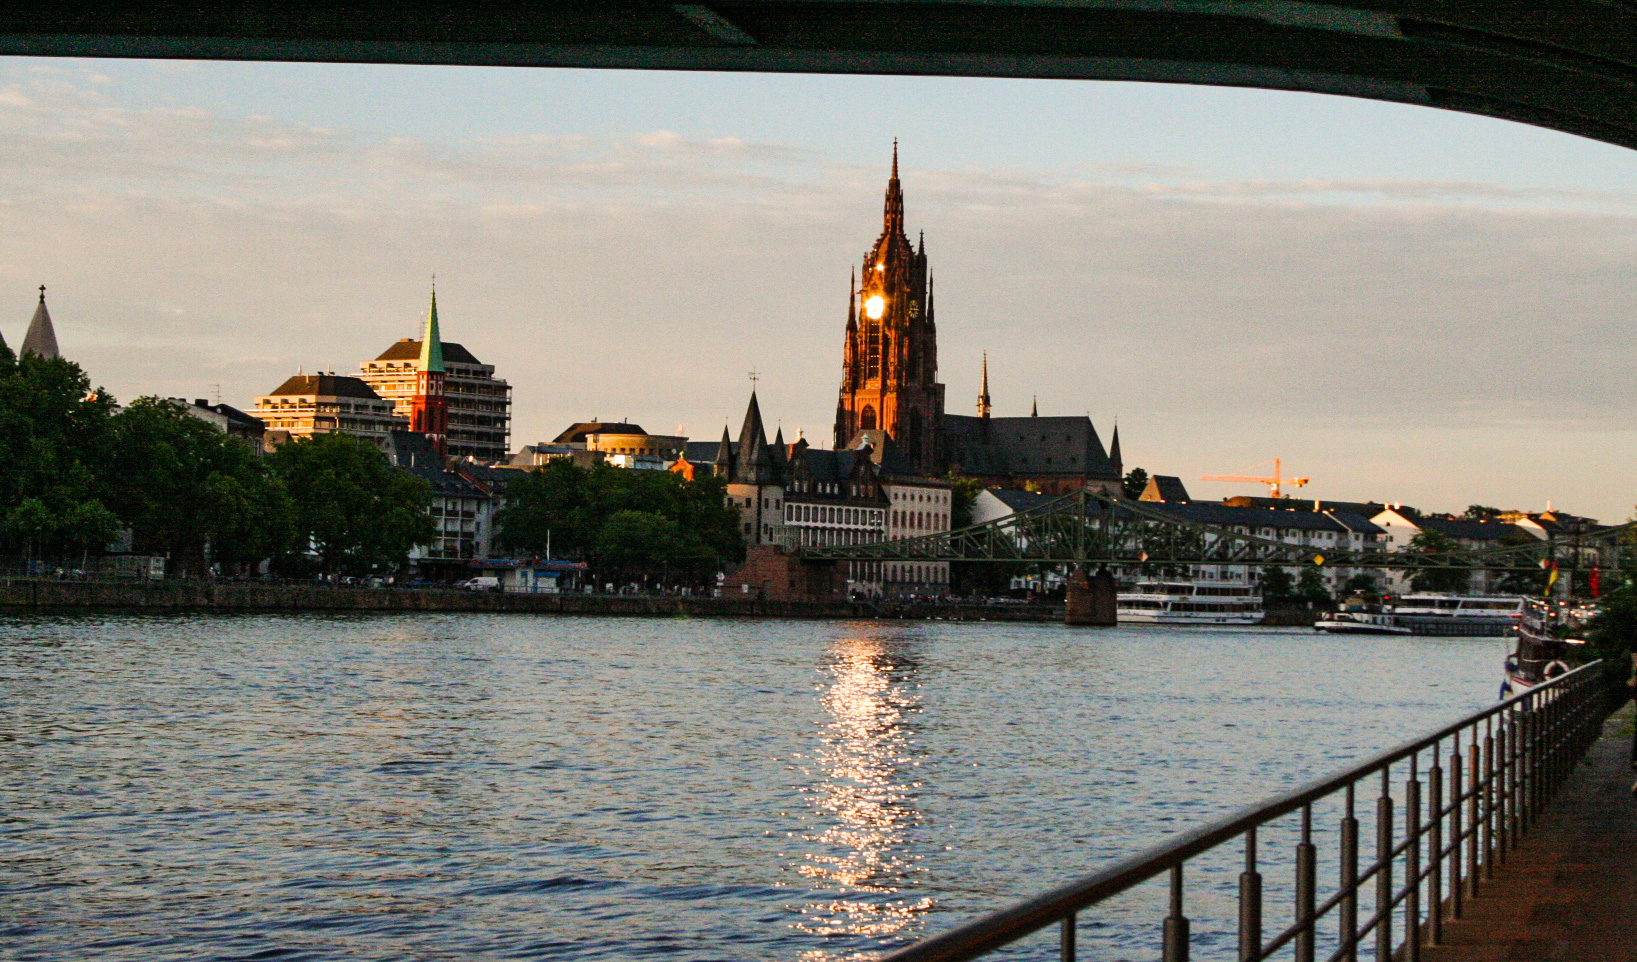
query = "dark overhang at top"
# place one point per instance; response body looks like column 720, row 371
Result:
column 1569, row 65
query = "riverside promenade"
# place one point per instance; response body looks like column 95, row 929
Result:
column 1569, row 891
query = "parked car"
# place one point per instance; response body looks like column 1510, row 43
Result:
column 481, row 583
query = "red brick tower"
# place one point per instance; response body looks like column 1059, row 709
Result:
column 429, row 408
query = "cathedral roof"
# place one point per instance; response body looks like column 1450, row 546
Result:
column 41, row 338
column 1029, row 447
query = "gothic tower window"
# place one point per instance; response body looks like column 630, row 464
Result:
column 866, row 419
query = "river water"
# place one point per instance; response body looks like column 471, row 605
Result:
column 498, row 787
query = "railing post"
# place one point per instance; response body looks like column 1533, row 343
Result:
column 1473, row 829
column 1065, row 939
column 1489, row 797
column 1306, row 889
column 1347, row 913
column 1176, row 924
column 1384, row 868
column 1250, row 904
column 1412, row 865
column 1435, row 850
column 1456, row 893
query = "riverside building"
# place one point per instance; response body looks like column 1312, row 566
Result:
column 310, row 404
column 445, row 392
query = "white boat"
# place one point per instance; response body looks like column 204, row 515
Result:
column 1544, row 649
column 1437, row 613
column 1190, row 603
column 1360, row 619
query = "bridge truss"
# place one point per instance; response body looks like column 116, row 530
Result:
column 1092, row 529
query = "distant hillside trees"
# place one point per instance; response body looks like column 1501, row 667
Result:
column 651, row 527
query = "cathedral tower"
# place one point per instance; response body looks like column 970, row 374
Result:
column 889, row 376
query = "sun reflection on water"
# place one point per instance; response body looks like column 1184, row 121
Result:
column 861, row 800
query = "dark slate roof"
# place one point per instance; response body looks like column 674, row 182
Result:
column 409, row 349
column 1467, row 529
column 326, row 385
column 1357, row 522
column 1031, row 446
column 1210, row 512
column 700, row 452
column 1367, row 508
column 576, row 433
column 233, row 414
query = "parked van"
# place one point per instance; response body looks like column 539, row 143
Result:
column 484, row 583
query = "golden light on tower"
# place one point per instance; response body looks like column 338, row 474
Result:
column 874, row 307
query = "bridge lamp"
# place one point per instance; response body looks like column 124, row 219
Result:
column 874, row 306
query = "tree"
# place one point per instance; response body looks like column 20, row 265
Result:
column 570, row 509
column 1276, row 586
column 1482, row 512
column 1135, row 482
column 184, row 488
column 1428, row 541
column 1360, row 584
column 1310, row 587
column 54, row 432
column 1613, row 633
column 357, row 512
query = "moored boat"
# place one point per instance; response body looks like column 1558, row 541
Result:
column 1546, row 648
column 1360, row 618
column 1190, row 603
column 1437, row 613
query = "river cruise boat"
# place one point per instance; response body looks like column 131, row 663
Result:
column 1360, row 618
column 1434, row 613
column 1547, row 646
column 1190, row 603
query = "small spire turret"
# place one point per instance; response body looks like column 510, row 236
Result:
column 41, row 339
column 984, row 406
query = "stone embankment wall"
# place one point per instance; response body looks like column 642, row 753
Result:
column 204, row 596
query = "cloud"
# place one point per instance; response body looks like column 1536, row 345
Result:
column 643, row 275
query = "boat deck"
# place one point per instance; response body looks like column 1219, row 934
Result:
column 1569, row 891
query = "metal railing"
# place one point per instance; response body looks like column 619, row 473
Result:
column 1471, row 791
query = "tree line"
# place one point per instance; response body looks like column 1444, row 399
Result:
column 77, row 471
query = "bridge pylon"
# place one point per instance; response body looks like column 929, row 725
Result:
column 1091, row 601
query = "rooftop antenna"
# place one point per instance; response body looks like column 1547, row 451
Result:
column 218, row 389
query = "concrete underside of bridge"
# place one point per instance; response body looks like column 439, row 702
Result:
column 1568, row 65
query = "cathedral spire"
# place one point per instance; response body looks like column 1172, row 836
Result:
column 893, row 215
column 1034, row 406
column 983, row 389
column 754, row 464
column 431, row 340
column 41, row 338
column 852, row 301
column 1114, row 450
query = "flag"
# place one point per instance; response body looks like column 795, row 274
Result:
column 1551, row 579
column 1593, row 580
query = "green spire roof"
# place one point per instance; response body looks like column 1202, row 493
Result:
column 431, row 340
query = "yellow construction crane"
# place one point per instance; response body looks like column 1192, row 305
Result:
column 1273, row 483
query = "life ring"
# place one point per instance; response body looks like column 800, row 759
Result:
column 1555, row 668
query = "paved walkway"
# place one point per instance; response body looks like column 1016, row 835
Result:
column 1569, row 892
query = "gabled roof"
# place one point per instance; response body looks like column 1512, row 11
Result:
column 325, row 385
column 1021, row 500
column 409, row 349
column 1468, row 529
column 1165, row 487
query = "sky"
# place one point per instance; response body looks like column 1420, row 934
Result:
column 1402, row 303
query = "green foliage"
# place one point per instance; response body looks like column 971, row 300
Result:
column 1135, row 481
column 1276, row 586
column 1310, row 587
column 357, row 512
column 603, row 514
column 1482, row 512
column 1361, row 584
column 182, row 485
column 963, row 493
column 1427, row 541
column 53, row 433
column 1613, row 633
